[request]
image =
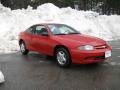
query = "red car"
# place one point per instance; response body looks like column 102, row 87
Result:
column 63, row 42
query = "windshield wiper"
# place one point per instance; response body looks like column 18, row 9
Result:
column 66, row 34
column 74, row 33
column 61, row 34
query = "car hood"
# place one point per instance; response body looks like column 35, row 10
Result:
column 80, row 39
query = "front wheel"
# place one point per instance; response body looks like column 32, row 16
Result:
column 62, row 57
column 23, row 49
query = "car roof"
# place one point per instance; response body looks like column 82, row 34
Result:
column 47, row 23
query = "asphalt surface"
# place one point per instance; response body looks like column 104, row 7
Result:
column 37, row 72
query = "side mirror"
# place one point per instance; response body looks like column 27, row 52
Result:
column 45, row 34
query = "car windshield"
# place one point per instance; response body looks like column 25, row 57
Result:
column 61, row 29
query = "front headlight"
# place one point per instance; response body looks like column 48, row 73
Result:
column 86, row 47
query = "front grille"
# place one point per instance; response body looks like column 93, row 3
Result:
column 100, row 57
column 101, row 46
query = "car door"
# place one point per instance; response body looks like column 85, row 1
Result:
column 27, row 37
column 40, row 39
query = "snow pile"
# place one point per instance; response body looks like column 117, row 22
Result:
column 2, row 78
column 14, row 21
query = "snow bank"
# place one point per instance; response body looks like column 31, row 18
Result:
column 2, row 78
column 87, row 22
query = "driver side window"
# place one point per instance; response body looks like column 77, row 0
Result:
column 39, row 30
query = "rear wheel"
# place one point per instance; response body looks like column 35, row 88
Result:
column 23, row 49
column 62, row 57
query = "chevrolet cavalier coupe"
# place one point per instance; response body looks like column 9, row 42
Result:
column 66, row 44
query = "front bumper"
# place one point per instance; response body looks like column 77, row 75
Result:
column 87, row 57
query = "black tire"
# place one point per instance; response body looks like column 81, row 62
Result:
column 23, row 49
column 63, row 59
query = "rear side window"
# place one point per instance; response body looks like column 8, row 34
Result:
column 29, row 30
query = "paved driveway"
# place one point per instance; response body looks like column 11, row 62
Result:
column 36, row 72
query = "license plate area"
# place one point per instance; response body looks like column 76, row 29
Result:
column 107, row 54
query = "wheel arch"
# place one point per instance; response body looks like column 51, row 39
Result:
column 20, row 41
column 61, row 46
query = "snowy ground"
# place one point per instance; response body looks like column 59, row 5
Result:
column 87, row 22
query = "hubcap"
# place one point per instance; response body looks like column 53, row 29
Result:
column 22, row 47
column 61, row 57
